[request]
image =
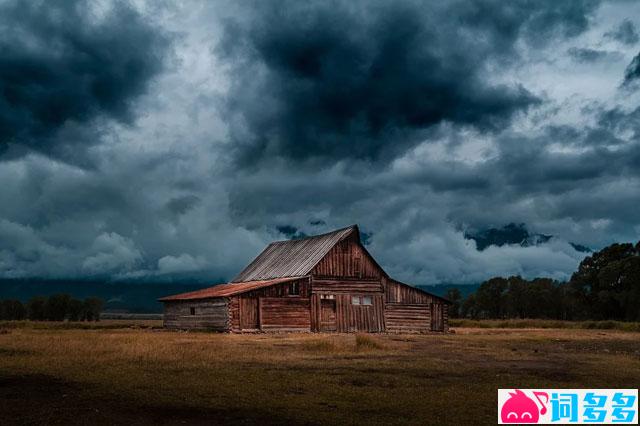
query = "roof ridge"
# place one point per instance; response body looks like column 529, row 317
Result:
column 308, row 237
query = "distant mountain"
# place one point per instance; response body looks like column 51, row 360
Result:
column 135, row 297
column 513, row 234
column 583, row 249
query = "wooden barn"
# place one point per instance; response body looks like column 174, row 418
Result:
column 323, row 283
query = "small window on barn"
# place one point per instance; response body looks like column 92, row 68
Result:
column 192, row 310
column 294, row 289
column 356, row 266
column 355, row 300
column 366, row 300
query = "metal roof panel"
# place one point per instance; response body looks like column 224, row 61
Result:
column 294, row 257
column 225, row 290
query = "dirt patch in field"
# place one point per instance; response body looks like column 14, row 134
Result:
column 39, row 399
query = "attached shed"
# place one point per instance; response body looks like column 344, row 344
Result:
column 323, row 283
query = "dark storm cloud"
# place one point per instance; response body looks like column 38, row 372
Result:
column 474, row 110
column 587, row 55
column 625, row 33
column 65, row 62
column 616, row 120
column 535, row 22
column 366, row 79
column 180, row 205
column 632, row 73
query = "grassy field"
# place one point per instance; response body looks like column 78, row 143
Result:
column 124, row 373
column 540, row 323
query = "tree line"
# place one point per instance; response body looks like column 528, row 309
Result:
column 58, row 307
column 606, row 286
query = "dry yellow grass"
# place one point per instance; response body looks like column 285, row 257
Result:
column 140, row 376
column 542, row 323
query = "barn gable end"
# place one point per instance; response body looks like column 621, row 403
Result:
column 348, row 259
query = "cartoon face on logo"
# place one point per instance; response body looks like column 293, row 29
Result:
column 519, row 408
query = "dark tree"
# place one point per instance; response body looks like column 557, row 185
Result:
column 93, row 308
column 57, row 307
column 517, row 304
column 542, row 299
column 607, row 283
column 75, row 310
column 469, row 307
column 12, row 310
column 455, row 297
column 37, row 308
column 605, row 287
column 491, row 298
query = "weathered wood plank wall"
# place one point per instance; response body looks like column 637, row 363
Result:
column 347, row 260
column 249, row 312
column 348, row 317
column 396, row 292
column 234, row 313
column 346, row 286
column 347, row 271
column 273, row 308
column 209, row 314
column 279, row 313
column 355, row 318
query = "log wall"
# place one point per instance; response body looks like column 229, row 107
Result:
column 407, row 309
column 407, row 318
column 210, row 314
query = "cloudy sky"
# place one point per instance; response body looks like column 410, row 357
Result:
column 173, row 140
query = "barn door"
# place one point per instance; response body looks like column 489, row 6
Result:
column 328, row 315
column 249, row 313
column 437, row 320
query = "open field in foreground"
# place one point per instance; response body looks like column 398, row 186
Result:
column 148, row 376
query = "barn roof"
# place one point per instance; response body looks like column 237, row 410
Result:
column 293, row 258
column 282, row 261
column 225, row 290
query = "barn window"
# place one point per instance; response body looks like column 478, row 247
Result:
column 361, row 300
column 356, row 266
column 294, row 289
column 192, row 310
